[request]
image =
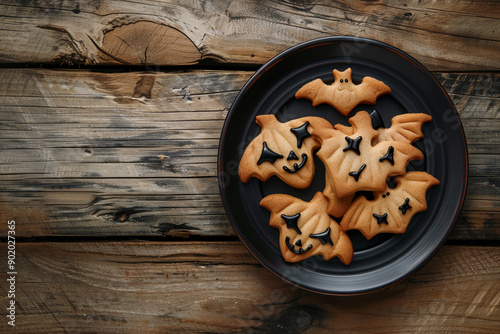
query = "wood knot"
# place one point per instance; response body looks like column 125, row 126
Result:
column 146, row 43
column 143, row 87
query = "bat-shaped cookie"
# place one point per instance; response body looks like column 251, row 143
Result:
column 343, row 94
column 391, row 209
column 306, row 229
column 406, row 128
column 282, row 149
column 357, row 162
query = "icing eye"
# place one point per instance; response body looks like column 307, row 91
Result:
column 346, row 80
column 301, row 133
column 324, row 237
column 388, row 156
column 291, row 222
column 353, row 144
column 405, row 206
column 268, row 155
column 341, row 80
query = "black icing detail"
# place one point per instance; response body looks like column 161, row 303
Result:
column 296, row 166
column 381, row 218
column 355, row 175
column 301, row 133
column 268, row 155
column 291, row 222
column 292, row 247
column 377, row 121
column 324, row 237
column 341, row 80
column 391, row 182
column 353, row 144
column 298, row 243
column 292, row 156
column 388, row 156
column 405, row 206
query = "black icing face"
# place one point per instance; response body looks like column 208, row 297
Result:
column 269, row 155
column 297, row 248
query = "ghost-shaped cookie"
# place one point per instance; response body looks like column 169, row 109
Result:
column 306, row 229
column 392, row 209
column 357, row 161
column 282, row 149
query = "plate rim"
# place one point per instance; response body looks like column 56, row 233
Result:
column 263, row 69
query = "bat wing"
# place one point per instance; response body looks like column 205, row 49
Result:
column 306, row 229
column 369, row 90
column 405, row 127
column 391, row 210
column 318, row 92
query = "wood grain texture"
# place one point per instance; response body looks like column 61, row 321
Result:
column 451, row 35
column 217, row 287
column 89, row 153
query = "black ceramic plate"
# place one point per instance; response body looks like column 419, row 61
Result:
column 385, row 259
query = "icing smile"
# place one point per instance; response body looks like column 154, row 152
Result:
column 298, row 244
column 297, row 167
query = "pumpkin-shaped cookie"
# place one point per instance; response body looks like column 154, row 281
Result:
column 306, row 229
column 282, row 149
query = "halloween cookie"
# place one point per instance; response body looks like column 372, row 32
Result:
column 343, row 94
column 354, row 163
column 306, row 229
column 406, row 128
column 391, row 209
column 282, row 149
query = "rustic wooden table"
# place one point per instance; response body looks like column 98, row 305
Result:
column 111, row 113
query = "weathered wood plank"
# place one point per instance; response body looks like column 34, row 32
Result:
column 218, row 287
column 81, row 156
column 451, row 35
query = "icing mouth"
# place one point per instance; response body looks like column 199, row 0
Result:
column 297, row 167
column 298, row 243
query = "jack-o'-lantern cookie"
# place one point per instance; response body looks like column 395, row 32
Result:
column 306, row 229
column 282, row 149
column 391, row 209
column 353, row 162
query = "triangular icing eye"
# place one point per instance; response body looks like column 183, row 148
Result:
column 268, row 155
column 301, row 133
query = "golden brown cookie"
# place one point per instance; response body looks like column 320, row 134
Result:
column 391, row 209
column 306, row 229
column 337, row 205
column 406, row 128
column 353, row 163
column 282, row 149
column 343, row 94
